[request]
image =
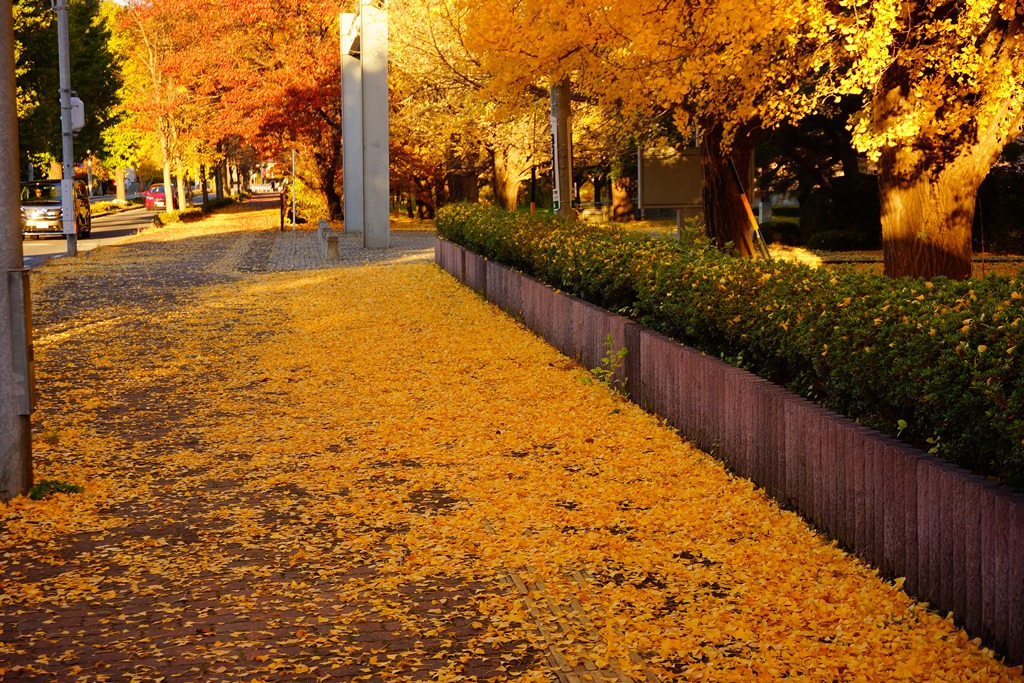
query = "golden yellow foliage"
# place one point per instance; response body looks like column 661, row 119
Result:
column 275, row 462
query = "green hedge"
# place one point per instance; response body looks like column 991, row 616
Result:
column 935, row 363
column 179, row 216
column 193, row 213
column 214, row 204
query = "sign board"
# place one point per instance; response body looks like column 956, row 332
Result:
column 555, row 195
column 670, row 178
column 77, row 114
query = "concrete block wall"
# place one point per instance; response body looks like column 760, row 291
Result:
column 957, row 538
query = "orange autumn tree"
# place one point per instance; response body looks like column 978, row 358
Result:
column 275, row 70
column 943, row 84
column 146, row 37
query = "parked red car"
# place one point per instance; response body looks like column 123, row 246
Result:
column 156, row 198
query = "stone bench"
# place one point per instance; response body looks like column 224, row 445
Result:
column 328, row 239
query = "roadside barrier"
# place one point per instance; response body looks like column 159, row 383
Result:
column 956, row 538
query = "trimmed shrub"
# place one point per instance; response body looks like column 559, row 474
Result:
column 786, row 211
column 852, row 203
column 781, row 231
column 194, row 213
column 837, row 240
column 935, row 363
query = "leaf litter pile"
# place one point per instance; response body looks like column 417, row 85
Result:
column 368, row 473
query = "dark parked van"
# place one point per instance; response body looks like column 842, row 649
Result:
column 41, row 209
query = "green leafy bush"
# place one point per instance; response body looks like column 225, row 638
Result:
column 837, row 240
column 48, row 487
column 214, row 204
column 936, row 363
column 188, row 215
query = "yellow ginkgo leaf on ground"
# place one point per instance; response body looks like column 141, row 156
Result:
column 367, row 471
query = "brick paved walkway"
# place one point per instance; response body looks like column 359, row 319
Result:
column 300, row 250
column 138, row 600
column 217, row 554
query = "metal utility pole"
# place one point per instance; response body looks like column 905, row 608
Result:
column 66, row 132
column 294, row 219
column 561, row 147
column 16, row 382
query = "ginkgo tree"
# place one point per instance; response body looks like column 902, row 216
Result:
column 715, row 68
column 943, row 85
column 440, row 98
column 146, row 39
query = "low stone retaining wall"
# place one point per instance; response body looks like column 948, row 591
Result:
column 957, row 538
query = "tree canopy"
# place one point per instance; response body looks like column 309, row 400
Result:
column 940, row 84
column 94, row 77
column 930, row 92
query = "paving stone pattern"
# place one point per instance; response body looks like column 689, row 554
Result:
column 251, row 611
column 300, row 250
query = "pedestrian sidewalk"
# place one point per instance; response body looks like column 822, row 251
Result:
column 300, row 250
column 367, row 473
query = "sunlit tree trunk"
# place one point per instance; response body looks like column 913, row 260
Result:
column 724, row 214
column 182, row 196
column 165, row 148
column 926, row 221
column 510, row 168
column 622, row 199
column 928, row 193
column 122, row 196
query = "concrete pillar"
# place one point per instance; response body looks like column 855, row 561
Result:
column 376, row 160
column 15, row 321
column 352, row 123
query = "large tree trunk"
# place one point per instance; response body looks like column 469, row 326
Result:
column 425, row 206
column 327, row 156
column 509, row 171
column 622, row 199
column 724, row 213
column 182, row 197
column 928, row 190
column 327, row 177
column 926, row 216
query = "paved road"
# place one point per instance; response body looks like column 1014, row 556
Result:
column 105, row 229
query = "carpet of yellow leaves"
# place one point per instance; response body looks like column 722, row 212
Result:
column 273, row 462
